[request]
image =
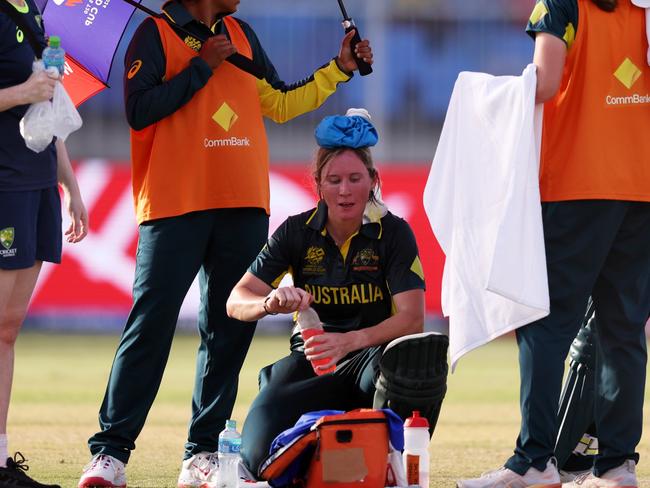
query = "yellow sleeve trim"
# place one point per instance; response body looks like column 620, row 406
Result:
column 276, row 282
column 569, row 35
column 416, row 267
column 539, row 12
column 282, row 106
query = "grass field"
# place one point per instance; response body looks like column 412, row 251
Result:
column 60, row 380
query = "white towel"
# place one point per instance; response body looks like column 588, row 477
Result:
column 646, row 5
column 483, row 203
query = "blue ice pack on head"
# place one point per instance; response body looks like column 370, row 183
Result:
column 346, row 131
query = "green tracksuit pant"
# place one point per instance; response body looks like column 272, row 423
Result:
column 290, row 388
column 599, row 248
column 219, row 245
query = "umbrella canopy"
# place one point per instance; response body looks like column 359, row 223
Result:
column 90, row 31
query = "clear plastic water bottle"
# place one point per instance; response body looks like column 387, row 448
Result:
column 54, row 55
column 229, row 446
column 310, row 326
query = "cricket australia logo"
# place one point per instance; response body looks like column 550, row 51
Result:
column 365, row 260
column 7, row 237
column 193, row 43
column 7, row 240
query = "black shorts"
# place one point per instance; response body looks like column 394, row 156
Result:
column 30, row 227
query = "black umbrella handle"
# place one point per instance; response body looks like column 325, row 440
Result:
column 364, row 68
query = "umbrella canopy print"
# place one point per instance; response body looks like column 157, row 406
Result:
column 90, row 31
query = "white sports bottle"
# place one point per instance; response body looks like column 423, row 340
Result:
column 416, row 450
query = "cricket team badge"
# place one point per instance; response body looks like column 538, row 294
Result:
column 7, row 236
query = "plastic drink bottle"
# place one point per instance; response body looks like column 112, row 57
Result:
column 229, row 446
column 54, row 55
column 416, row 450
column 310, row 326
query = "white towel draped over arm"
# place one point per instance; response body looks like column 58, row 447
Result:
column 483, row 203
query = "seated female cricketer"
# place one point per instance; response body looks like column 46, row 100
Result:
column 357, row 265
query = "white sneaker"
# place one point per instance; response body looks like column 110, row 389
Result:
column 103, row 471
column 622, row 477
column 506, row 478
column 199, row 471
column 568, row 476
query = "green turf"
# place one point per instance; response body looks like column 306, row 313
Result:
column 60, row 380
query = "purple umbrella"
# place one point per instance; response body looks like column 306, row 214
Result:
column 91, row 31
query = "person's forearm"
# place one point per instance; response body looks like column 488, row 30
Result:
column 245, row 305
column 64, row 173
column 282, row 102
column 400, row 324
column 11, row 97
column 549, row 57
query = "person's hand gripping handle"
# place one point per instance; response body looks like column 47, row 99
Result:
column 364, row 67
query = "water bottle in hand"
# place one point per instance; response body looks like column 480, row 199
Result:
column 229, row 446
column 54, row 55
column 310, row 326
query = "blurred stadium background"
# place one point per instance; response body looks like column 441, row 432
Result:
column 420, row 47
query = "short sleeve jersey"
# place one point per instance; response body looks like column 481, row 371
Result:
column 20, row 167
column 352, row 286
column 556, row 17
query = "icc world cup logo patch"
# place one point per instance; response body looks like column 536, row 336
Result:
column 314, row 261
column 315, row 255
column 7, row 237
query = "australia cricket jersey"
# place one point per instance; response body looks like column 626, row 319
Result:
column 353, row 285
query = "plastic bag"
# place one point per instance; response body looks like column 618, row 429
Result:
column 66, row 117
column 44, row 120
column 37, row 126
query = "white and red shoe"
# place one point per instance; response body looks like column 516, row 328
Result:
column 199, row 471
column 103, row 471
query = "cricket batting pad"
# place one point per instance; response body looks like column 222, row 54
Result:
column 413, row 376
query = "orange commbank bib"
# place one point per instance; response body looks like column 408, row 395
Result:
column 210, row 153
column 595, row 142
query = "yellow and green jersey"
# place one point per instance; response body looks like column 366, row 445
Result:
column 556, row 17
column 352, row 285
